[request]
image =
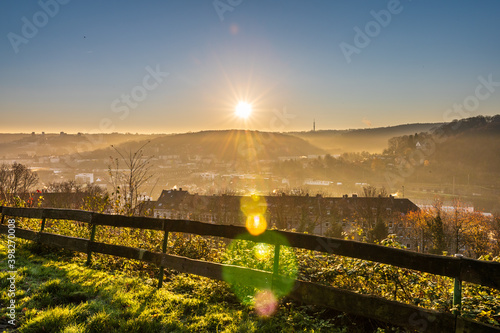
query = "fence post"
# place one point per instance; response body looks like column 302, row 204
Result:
column 43, row 224
column 164, row 250
column 3, row 215
column 276, row 262
column 457, row 290
column 92, row 237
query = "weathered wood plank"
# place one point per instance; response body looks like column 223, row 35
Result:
column 186, row 265
column 446, row 266
column 245, row 276
column 404, row 315
column 20, row 233
column 69, row 243
column 440, row 265
column 128, row 221
column 125, row 252
column 205, row 229
column 434, row 264
column 467, row 325
column 68, row 214
column 34, row 213
column 486, row 273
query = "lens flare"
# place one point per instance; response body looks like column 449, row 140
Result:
column 256, row 224
column 248, row 286
column 263, row 251
column 266, row 303
column 254, row 207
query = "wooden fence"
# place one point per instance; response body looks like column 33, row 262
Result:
column 412, row 317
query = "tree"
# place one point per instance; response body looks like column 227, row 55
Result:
column 436, row 229
column 5, row 178
column 372, row 192
column 16, row 181
column 68, row 186
column 379, row 231
column 95, row 199
column 283, row 206
column 417, row 228
column 456, row 226
column 495, row 235
column 476, row 238
column 369, row 211
column 334, row 229
column 128, row 173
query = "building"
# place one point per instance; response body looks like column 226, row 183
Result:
column 314, row 214
column 85, row 177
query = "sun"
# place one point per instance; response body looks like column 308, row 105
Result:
column 243, row 110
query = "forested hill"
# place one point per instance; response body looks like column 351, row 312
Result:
column 470, row 145
column 234, row 144
column 224, row 145
column 51, row 144
column 467, row 150
column 372, row 140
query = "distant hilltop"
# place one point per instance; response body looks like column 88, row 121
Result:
column 230, row 144
column 372, row 140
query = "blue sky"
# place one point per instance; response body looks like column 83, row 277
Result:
column 75, row 71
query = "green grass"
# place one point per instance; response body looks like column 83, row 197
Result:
column 58, row 293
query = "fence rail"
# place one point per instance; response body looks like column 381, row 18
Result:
column 413, row 317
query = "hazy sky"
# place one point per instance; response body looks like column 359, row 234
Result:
column 176, row 66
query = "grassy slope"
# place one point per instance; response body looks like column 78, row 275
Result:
column 57, row 294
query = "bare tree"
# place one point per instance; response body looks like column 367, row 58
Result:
column 372, row 192
column 68, row 186
column 22, row 179
column 5, row 178
column 371, row 213
column 128, row 173
column 16, row 181
column 284, row 203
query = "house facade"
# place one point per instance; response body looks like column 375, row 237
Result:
column 313, row 214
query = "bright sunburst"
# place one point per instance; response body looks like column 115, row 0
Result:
column 243, row 110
